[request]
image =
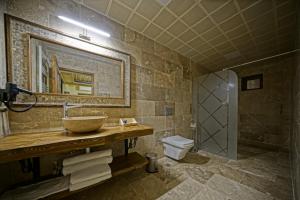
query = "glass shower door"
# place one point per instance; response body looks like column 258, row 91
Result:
column 215, row 110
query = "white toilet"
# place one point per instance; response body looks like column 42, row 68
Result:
column 176, row 146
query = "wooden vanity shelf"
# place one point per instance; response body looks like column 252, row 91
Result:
column 28, row 145
column 33, row 145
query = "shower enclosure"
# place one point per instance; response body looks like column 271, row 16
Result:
column 215, row 111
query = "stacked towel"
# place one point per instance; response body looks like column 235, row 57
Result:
column 88, row 169
column 69, row 169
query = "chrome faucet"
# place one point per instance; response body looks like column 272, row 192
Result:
column 67, row 107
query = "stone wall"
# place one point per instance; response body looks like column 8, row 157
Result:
column 295, row 138
column 265, row 114
column 161, row 78
column 161, row 86
column 2, row 45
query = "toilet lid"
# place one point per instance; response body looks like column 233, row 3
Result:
column 178, row 141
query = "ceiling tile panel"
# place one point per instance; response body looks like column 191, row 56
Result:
column 246, row 3
column 174, row 44
column 119, row 12
column 180, row 6
column 280, row 2
column 196, row 43
column 224, row 48
column 209, row 31
column 218, row 40
column 204, row 48
column 164, row 19
column 209, row 52
column 198, row 58
column 240, row 30
column 129, row 3
column 188, row 36
column 257, row 9
column 137, row 23
column 265, row 37
column 152, row 31
column 211, row 34
column 191, row 53
column 231, row 23
column 203, row 25
column 184, row 50
column 94, row 4
column 164, row 38
column 177, row 28
column 210, row 5
column 225, row 12
column 148, row 8
column 193, row 16
column 243, row 40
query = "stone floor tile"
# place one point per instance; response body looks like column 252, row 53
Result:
column 259, row 174
column 149, row 187
column 209, row 194
column 184, row 191
column 235, row 190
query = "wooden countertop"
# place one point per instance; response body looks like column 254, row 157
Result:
column 25, row 145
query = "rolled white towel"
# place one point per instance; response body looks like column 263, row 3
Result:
column 85, row 157
column 79, row 166
column 87, row 183
column 90, row 173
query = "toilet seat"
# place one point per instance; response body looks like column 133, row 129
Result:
column 178, row 141
column 176, row 146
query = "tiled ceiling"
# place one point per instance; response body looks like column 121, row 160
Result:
column 214, row 33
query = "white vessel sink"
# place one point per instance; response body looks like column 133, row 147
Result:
column 83, row 124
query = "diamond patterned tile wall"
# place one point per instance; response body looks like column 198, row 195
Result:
column 213, row 112
column 214, row 33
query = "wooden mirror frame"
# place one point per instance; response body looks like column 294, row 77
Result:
column 48, row 99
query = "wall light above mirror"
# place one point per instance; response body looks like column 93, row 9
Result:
column 76, row 23
column 59, row 67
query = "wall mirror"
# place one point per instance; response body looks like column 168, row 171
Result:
column 58, row 67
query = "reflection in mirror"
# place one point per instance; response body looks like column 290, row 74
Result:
column 60, row 69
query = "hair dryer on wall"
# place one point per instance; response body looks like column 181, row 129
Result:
column 9, row 95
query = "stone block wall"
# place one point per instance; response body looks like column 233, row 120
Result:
column 295, row 136
column 161, row 78
column 2, row 45
column 265, row 114
column 161, row 83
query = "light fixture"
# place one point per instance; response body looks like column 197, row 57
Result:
column 71, row 21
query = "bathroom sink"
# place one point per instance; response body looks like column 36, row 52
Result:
column 83, row 124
